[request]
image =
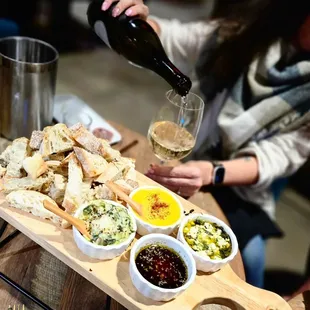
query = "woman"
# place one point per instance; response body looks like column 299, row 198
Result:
column 251, row 62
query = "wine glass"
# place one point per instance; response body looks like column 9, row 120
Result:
column 173, row 131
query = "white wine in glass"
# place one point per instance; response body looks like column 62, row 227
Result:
column 173, row 131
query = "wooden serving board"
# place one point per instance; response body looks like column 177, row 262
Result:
column 223, row 287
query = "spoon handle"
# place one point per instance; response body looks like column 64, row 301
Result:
column 115, row 188
column 77, row 223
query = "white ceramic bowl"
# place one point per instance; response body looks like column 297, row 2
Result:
column 203, row 263
column 144, row 228
column 148, row 289
column 100, row 251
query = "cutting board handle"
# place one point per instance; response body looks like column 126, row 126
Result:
column 236, row 294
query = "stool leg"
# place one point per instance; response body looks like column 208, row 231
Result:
column 3, row 227
column 24, row 292
column 108, row 303
column 9, row 238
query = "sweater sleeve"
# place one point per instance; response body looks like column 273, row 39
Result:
column 279, row 156
column 183, row 41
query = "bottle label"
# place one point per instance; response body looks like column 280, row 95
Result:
column 101, row 32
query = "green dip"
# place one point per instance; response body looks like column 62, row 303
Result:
column 107, row 224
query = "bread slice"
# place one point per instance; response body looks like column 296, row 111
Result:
column 73, row 194
column 132, row 183
column 87, row 191
column 112, row 173
column 5, row 156
column 58, row 157
column 32, row 202
column 92, row 144
column 86, row 139
column 129, row 167
column 56, row 139
column 35, row 166
column 12, row 184
column 131, row 174
column 93, row 164
column 36, row 139
column 125, row 187
column 58, row 188
column 108, row 152
column 2, row 171
column 53, row 164
column 19, row 151
column 99, row 192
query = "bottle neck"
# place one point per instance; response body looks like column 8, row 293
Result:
column 179, row 82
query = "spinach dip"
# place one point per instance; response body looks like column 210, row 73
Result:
column 107, row 224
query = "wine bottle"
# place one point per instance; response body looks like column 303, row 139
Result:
column 137, row 41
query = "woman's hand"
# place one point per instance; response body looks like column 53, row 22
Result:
column 130, row 7
column 185, row 179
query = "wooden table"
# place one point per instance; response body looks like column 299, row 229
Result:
column 75, row 286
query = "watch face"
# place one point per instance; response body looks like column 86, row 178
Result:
column 219, row 174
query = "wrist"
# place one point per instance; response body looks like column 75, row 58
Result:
column 206, row 172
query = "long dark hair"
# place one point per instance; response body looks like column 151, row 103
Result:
column 246, row 29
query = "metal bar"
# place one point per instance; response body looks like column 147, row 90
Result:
column 3, row 227
column 108, row 303
column 24, row 292
column 9, row 238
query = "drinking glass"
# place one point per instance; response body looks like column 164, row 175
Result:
column 173, row 131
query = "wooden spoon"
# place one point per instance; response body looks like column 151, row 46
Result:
column 77, row 223
column 118, row 191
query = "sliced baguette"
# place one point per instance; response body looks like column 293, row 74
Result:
column 108, row 152
column 36, row 139
column 112, row 173
column 132, row 183
column 12, row 184
column 125, row 187
column 87, row 191
column 5, row 156
column 86, row 139
column 58, row 157
column 73, row 194
column 56, row 140
column 2, row 171
column 19, row 151
column 131, row 174
column 93, row 164
column 92, row 144
column 58, row 188
column 32, row 202
column 35, row 166
column 99, row 192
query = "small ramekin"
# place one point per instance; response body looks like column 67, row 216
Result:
column 144, row 228
column 146, row 288
column 204, row 263
column 99, row 251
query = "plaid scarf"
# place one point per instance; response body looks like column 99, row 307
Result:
column 272, row 97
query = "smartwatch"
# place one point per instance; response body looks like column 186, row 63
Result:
column 218, row 173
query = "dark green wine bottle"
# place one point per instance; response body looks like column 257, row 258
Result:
column 136, row 40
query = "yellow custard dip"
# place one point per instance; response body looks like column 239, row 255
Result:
column 159, row 207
